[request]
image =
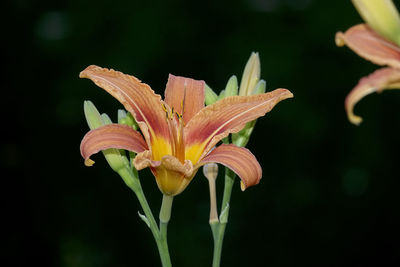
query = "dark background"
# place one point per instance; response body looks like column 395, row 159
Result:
column 329, row 193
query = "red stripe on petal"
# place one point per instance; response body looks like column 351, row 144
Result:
column 137, row 97
column 229, row 115
column 386, row 78
column 112, row 136
column 238, row 159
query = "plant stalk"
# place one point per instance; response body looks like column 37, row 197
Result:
column 131, row 179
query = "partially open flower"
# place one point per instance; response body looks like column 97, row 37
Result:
column 377, row 42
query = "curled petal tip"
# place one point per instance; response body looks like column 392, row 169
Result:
column 89, row 162
column 385, row 78
column 339, row 39
column 83, row 74
column 242, row 186
column 353, row 118
column 356, row 120
column 285, row 93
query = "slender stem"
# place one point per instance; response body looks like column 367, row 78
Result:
column 131, row 179
column 165, row 216
column 218, row 241
column 218, row 228
column 229, row 181
column 165, row 211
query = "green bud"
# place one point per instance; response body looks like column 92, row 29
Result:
column 251, row 75
column 92, row 115
column 222, row 95
column 260, row 88
column 382, row 16
column 131, row 121
column 210, row 96
column 232, row 87
column 106, row 119
column 122, row 116
column 242, row 138
column 126, row 118
column 95, row 120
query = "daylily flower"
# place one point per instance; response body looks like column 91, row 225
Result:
column 177, row 135
column 375, row 42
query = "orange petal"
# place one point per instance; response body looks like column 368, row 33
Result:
column 137, row 97
column 228, row 115
column 185, row 93
column 369, row 45
column 111, row 136
column 386, row 78
column 238, row 159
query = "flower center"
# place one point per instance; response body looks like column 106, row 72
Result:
column 175, row 126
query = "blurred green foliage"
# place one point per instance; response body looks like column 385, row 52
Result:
column 329, row 193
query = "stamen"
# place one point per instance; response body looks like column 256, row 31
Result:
column 166, row 111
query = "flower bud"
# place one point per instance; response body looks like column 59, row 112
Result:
column 222, row 95
column 92, row 115
column 126, row 118
column 260, row 88
column 231, row 88
column 122, row 117
column 95, row 120
column 210, row 96
column 251, row 75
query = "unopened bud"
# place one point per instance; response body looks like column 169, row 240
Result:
column 251, row 75
column 222, row 95
column 95, row 120
column 260, row 87
column 92, row 115
column 232, row 87
column 126, row 118
column 210, row 96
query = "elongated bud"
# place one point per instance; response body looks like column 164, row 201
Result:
column 210, row 96
column 126, row 118
column 95, row 120
column 232, row 87
column 131, row 121
column 251, row 75
column 122, row 117
column 92, row 115
column 106, row 119
column 382, row 16
column 260, row 88
column 222, row 95
column 250, row 85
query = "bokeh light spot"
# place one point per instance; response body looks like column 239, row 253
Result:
column 53, row 26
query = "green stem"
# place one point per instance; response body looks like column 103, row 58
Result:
column 218, row 227
column 165, row 211
column 131, row 179
column 165, row 216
